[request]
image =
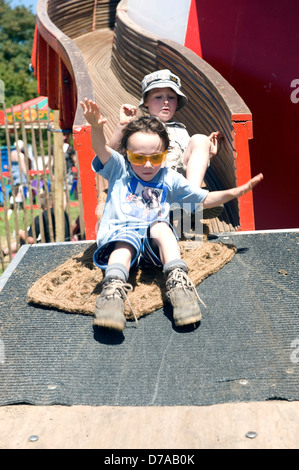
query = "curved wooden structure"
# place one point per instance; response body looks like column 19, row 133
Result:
column 78, row 54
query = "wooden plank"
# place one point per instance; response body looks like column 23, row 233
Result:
column 59, row 193
column 209, row 427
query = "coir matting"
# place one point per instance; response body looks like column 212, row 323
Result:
column 246, row 347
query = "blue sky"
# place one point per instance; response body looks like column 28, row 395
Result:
column 27, row 4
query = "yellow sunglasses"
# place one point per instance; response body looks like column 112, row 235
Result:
column 138, row 159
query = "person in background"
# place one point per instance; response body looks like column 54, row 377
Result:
column 70, row 160
column 18, row 169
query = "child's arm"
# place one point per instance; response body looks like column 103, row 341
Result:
column 127, row 114
column 215, row 198
column 95, row 119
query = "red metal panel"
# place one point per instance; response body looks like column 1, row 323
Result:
column 82, row 144
column 67, row 104
column 254, row 45
column 192, row 38
column 41, row 66
column 34, row 48
column 53, row 74
column 243, row 132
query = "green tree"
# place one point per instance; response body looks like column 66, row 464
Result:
column 16, row 39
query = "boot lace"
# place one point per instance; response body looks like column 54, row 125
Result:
column 119, row 288
column 179, row 278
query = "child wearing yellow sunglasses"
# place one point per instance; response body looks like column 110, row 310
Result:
column 135, row 228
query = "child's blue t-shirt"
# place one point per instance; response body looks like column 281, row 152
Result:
column 132, row 202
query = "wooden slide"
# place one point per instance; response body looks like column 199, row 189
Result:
column 91, row 48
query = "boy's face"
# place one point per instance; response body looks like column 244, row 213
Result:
column 146, row 144
column 162, row 103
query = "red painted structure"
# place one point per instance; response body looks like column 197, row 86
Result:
column 254, row 45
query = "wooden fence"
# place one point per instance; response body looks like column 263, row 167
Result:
column 40, row 187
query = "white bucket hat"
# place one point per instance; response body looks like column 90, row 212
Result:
column 162, row 79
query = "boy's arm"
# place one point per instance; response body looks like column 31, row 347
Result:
column 127, row 114
column 96, row 120
column 215, row 198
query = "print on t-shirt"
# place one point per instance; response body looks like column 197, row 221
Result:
column 145, row 201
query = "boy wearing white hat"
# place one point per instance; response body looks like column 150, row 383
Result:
column 162, row 97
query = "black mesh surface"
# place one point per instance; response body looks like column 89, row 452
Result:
column 245, row 349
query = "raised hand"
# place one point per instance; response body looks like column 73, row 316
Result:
column 127, row 114
column 92, row 113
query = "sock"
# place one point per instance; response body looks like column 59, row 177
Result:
column 117, row 270
column 175, row 263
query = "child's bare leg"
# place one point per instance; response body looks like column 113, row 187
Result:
column 200, row 150
column 122, row 254
column 163, row 238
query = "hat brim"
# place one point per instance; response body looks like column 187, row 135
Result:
column 164, row 84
